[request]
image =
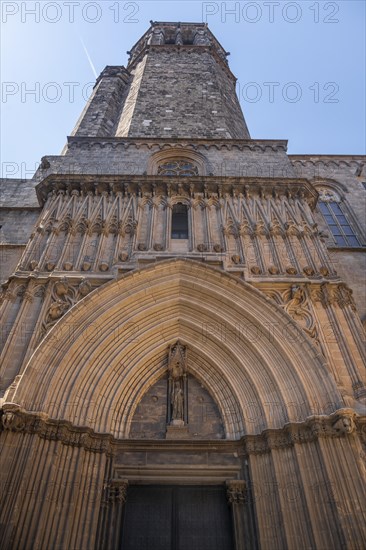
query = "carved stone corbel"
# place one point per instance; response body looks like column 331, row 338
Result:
column 117, row 491
column 343, row 424
column 236, row 491
column 12, row 422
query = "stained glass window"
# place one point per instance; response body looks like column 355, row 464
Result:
column 331, row 208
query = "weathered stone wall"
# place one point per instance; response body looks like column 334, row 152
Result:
column 179, row 86
column 19, row 211
column 102, row 293
column 351, row 267
column 9, row 259
column 256, row 158
column 150, row 418
column 184, row 93
column 101, row 114
column 17, row 193
column 17, row 224
column 344, row 174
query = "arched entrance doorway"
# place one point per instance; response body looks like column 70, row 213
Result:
column 84, row 403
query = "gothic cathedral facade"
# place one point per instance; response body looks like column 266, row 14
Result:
column 183, row 339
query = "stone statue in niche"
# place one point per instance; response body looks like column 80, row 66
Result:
column 177, row 413
column 177, row 402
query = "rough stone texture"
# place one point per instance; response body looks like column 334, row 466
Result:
column 19, row 211
column 345, row 175
column 256, row 158
column 17, row 224
column 17, row 193
column 150, row 419
column 100, row 115
column 351, row 266
column 103, row 293
column 9, row 259
column 151, row 97
column 184, row 94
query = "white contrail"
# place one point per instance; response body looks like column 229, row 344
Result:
column 89, row 58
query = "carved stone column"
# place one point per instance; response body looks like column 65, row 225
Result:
column 111, row 523
column 236, row 495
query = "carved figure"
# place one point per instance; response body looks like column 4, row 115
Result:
column 177, row 401
column 12, row 422
column 344, row 425
column 158, row 37
column 56, row 310
column 177, row 385
column 177, row 370
column 201, row 38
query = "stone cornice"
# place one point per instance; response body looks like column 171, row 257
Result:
column 341, row 423
column 323, row 157
column 182, row 142
column 327, row 160
column 167, row 186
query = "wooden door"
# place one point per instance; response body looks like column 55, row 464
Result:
column 177, row 518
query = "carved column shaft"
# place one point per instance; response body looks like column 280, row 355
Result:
column 346, row 493
column 291, row 496
column 237, row 499
column 110, row 521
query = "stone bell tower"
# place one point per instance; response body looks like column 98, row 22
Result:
column 182, row 363
column 177, row 84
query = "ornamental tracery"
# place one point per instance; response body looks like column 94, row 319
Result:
column 178, row 167
column 328, row 195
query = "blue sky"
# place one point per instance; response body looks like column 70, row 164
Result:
column 300, row 68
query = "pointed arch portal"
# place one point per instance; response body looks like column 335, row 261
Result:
column 83, row 386
column 96, row 364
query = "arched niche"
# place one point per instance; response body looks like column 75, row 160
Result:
column 174, row 154
column 150, row 417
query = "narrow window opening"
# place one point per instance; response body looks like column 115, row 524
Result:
column 180, row 221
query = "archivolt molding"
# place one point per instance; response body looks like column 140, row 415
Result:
column 342, row 423
column 331, row 184
column 168, row 154
column 95, row 364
